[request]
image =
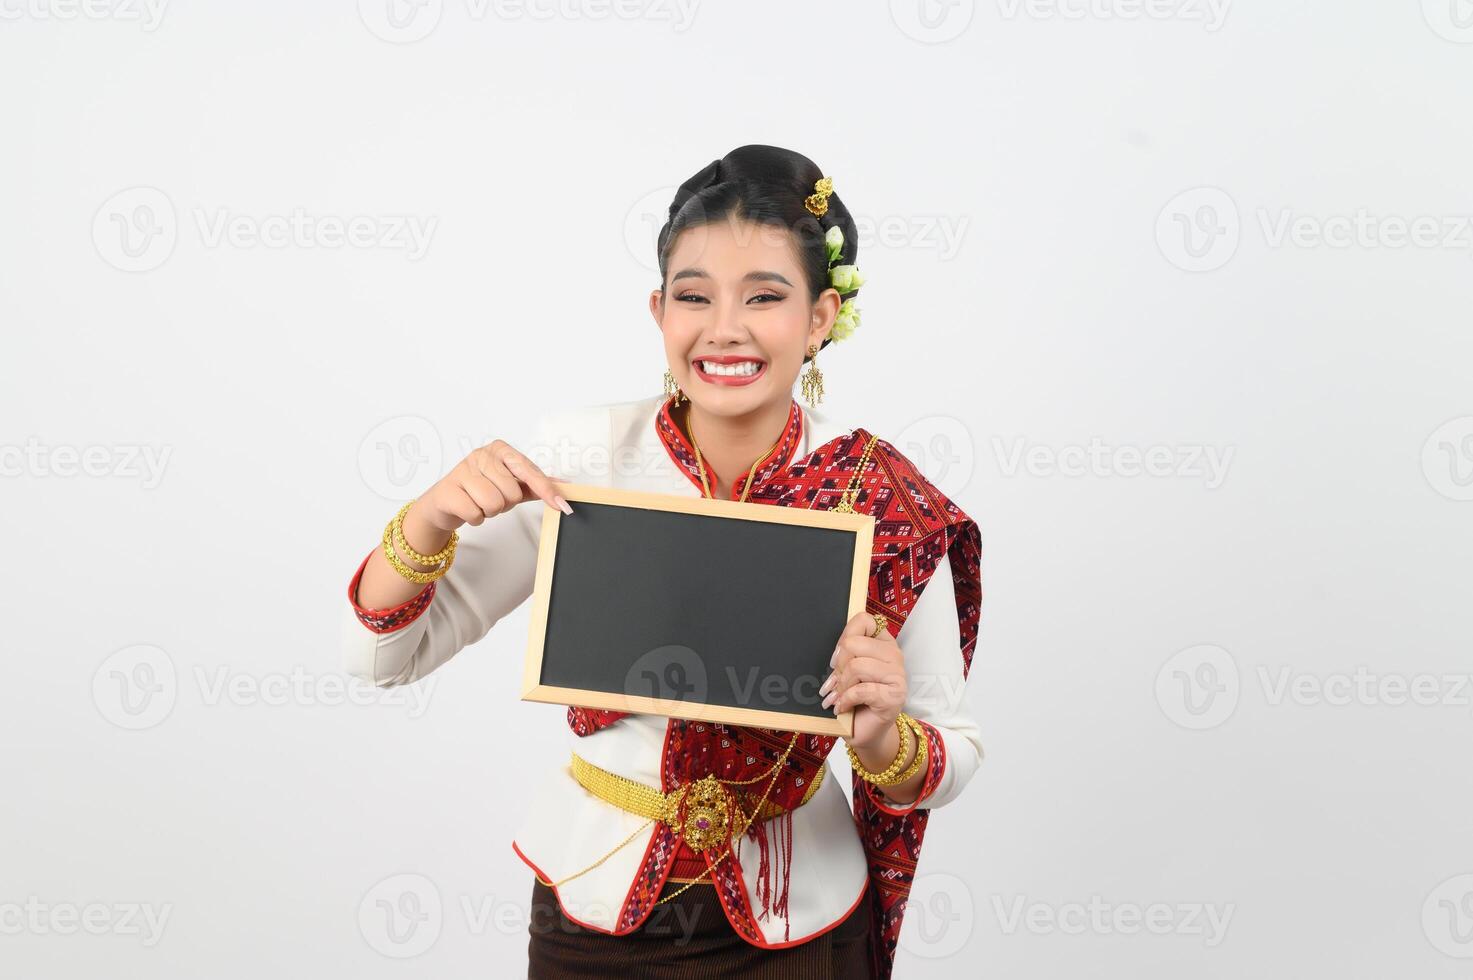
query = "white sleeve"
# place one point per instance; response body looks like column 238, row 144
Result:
column 930, row 640
column 493, row 573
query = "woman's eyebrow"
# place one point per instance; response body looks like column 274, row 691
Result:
column 760, row 275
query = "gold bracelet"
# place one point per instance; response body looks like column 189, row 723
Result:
column 403, row 545
column 920, row 760
column 412, row 574
column 887, row 776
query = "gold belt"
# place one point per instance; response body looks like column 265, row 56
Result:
column 703, row 812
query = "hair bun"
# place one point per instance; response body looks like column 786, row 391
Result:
column 707, row 176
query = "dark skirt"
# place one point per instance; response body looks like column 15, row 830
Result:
column 688, row 938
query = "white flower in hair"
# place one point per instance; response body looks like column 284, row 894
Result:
column 845, row 321
column 845, row 278
column 834, row 241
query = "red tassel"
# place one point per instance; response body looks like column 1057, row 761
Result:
column 758, row 831
column 785, row 833
column 780, row 854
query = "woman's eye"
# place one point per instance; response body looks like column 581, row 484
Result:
column 772, row 296
column 685, row 296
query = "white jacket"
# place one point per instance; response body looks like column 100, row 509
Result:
column 566, row 828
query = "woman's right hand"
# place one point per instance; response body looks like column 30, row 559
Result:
column 492, row 479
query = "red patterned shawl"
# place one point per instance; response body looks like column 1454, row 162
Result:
column 915, row 525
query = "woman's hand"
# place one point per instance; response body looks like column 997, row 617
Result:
column 869, row 677
column 491, row 480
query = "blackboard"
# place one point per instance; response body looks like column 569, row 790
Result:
column 694, row 608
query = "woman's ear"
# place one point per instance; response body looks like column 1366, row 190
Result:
column 824, row 311
column 656, row 296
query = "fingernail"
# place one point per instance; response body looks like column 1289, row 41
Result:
column 829, row 700
column 833, row 657
column 826, row 685
column 563, row 505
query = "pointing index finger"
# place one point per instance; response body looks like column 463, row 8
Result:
column 537, row 481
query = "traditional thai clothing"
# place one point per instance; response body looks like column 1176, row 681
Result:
column 800, row 874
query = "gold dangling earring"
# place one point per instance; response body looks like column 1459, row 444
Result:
column 671, row 388
column 813, row 379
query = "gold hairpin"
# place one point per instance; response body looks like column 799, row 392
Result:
column 818, row 201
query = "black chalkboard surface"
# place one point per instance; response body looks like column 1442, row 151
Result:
column 694, row 608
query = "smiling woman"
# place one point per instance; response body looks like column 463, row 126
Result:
column 757, row 275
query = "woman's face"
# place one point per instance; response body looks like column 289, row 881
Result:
column 735, row 293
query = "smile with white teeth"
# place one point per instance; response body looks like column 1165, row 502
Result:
column 740, row 370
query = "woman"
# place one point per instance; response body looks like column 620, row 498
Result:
column 757, row 275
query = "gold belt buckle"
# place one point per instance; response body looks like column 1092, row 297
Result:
column 707, row 820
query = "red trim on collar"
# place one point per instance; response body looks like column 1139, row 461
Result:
column 684, row 455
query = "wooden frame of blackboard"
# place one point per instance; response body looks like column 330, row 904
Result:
column 861, row 525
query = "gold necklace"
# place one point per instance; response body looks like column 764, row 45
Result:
column 705, row 483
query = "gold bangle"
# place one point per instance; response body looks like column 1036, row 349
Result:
column 887, row 776
column 921, row 748
column 412, row 574
column 402, row 543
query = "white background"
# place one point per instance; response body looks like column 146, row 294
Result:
column 1160, row 227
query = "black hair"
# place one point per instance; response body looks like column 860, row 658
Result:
column 767, row 185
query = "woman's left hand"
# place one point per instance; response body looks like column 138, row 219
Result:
column 869, row 677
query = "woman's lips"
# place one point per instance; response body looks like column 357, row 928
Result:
column 730, row 381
